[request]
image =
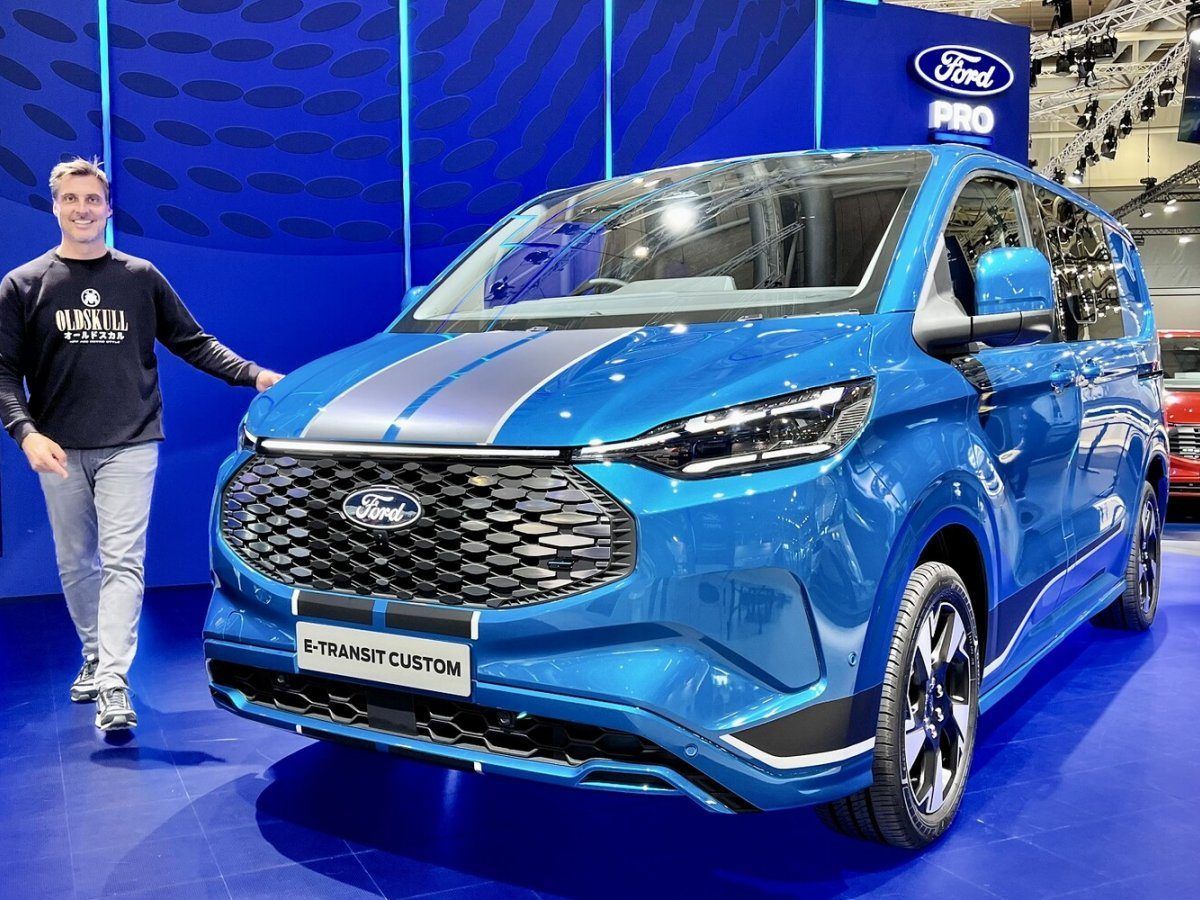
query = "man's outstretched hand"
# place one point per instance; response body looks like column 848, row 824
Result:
column 266, row 378
column 44, row 455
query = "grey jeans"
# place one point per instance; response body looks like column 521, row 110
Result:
column 99, row 515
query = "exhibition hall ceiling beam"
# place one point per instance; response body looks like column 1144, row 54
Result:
column 1128, row 17
column 1109, row 80
column 976, row 9
column 1183, row 183
column 1164, row 230
column 1071, row 133
column 1170, row 65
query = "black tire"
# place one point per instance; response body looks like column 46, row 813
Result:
column 1135, row 609
column 898, row 808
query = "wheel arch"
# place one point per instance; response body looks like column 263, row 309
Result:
column 952, row 520
column 1158, row 476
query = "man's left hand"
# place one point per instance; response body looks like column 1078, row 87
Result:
column 266, row 378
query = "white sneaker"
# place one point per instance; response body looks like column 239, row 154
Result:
column 83, row 688
column 114, row 711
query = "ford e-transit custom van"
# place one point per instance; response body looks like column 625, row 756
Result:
column 754, row 481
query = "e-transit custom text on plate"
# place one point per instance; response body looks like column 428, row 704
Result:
column 396, row 659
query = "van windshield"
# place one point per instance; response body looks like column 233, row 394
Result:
column 1181, row 363
column 760, row 238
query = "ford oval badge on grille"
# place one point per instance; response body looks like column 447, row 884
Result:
column 381, row 508
column 966, row 71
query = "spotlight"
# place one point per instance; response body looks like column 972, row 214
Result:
column 1170, row 206
column 1185, row 239
column 1145, row 213
column 1108, row 146
column 1059, row 176
column 1126, row 124
column 1076, row 177
column 1062, row 65
column 1166, row 91
column 1146, row 111
column 1089, row 153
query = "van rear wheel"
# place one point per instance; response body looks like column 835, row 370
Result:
column 1135, row 609
column 927, row 717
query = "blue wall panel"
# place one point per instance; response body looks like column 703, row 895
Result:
column 263, row 127
column 507, row 99
column 706, row 79
column 49, row 105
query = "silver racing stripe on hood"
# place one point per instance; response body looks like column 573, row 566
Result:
column 474, row 406
column 365, row 411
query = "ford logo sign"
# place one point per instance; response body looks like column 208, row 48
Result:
column 381, row 508
column 966, row 71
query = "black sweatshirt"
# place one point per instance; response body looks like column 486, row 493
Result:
column 81, row 334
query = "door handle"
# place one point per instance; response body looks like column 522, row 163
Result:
column 1091, row 369
column 1061, row 379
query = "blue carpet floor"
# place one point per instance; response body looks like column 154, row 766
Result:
column 1085, row 781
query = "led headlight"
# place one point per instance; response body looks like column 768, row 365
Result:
column 783, row 431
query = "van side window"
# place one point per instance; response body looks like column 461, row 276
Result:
column 985, row 216
column 1084, row 281
column 1133, row 306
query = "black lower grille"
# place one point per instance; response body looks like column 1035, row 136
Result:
column 489, row 535
column 455, row 723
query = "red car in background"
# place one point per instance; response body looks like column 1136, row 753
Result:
column 1181, row 403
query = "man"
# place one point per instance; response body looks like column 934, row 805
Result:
column 78, row 326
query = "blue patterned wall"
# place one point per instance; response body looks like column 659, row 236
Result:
column 269, row 126
column 507, row 103
column 49, row 93
column 705, row 79
column 49, row 105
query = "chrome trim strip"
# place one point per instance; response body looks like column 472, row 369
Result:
column 279, row 446
column 799, row 762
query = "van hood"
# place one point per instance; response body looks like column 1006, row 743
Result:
column 554, row 388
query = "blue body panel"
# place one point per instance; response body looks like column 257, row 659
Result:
column 754, row 598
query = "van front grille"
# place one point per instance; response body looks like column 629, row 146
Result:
column 496, row 534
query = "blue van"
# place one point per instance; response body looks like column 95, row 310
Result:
column 753, row 480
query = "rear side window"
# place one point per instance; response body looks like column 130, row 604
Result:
column 1132, row 294
column 1089, row 307
column 985, row 216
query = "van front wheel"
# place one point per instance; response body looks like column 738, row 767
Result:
column 926, row 730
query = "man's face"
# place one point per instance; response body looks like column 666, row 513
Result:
column 81, row 208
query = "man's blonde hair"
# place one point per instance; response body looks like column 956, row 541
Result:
column 78, row 166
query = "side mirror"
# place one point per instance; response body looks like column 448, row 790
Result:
column 1014, row 304
column 412, row 297
column 1012, row 279
column 1014, row 297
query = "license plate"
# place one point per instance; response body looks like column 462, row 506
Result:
column 394, row 659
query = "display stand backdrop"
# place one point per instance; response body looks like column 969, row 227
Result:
column 293, row 165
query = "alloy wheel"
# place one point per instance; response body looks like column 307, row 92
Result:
column 1149, row 556
column 937, row 720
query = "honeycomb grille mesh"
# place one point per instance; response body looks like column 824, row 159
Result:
column 441, row 721
column 497, row 534
column 458, row 723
